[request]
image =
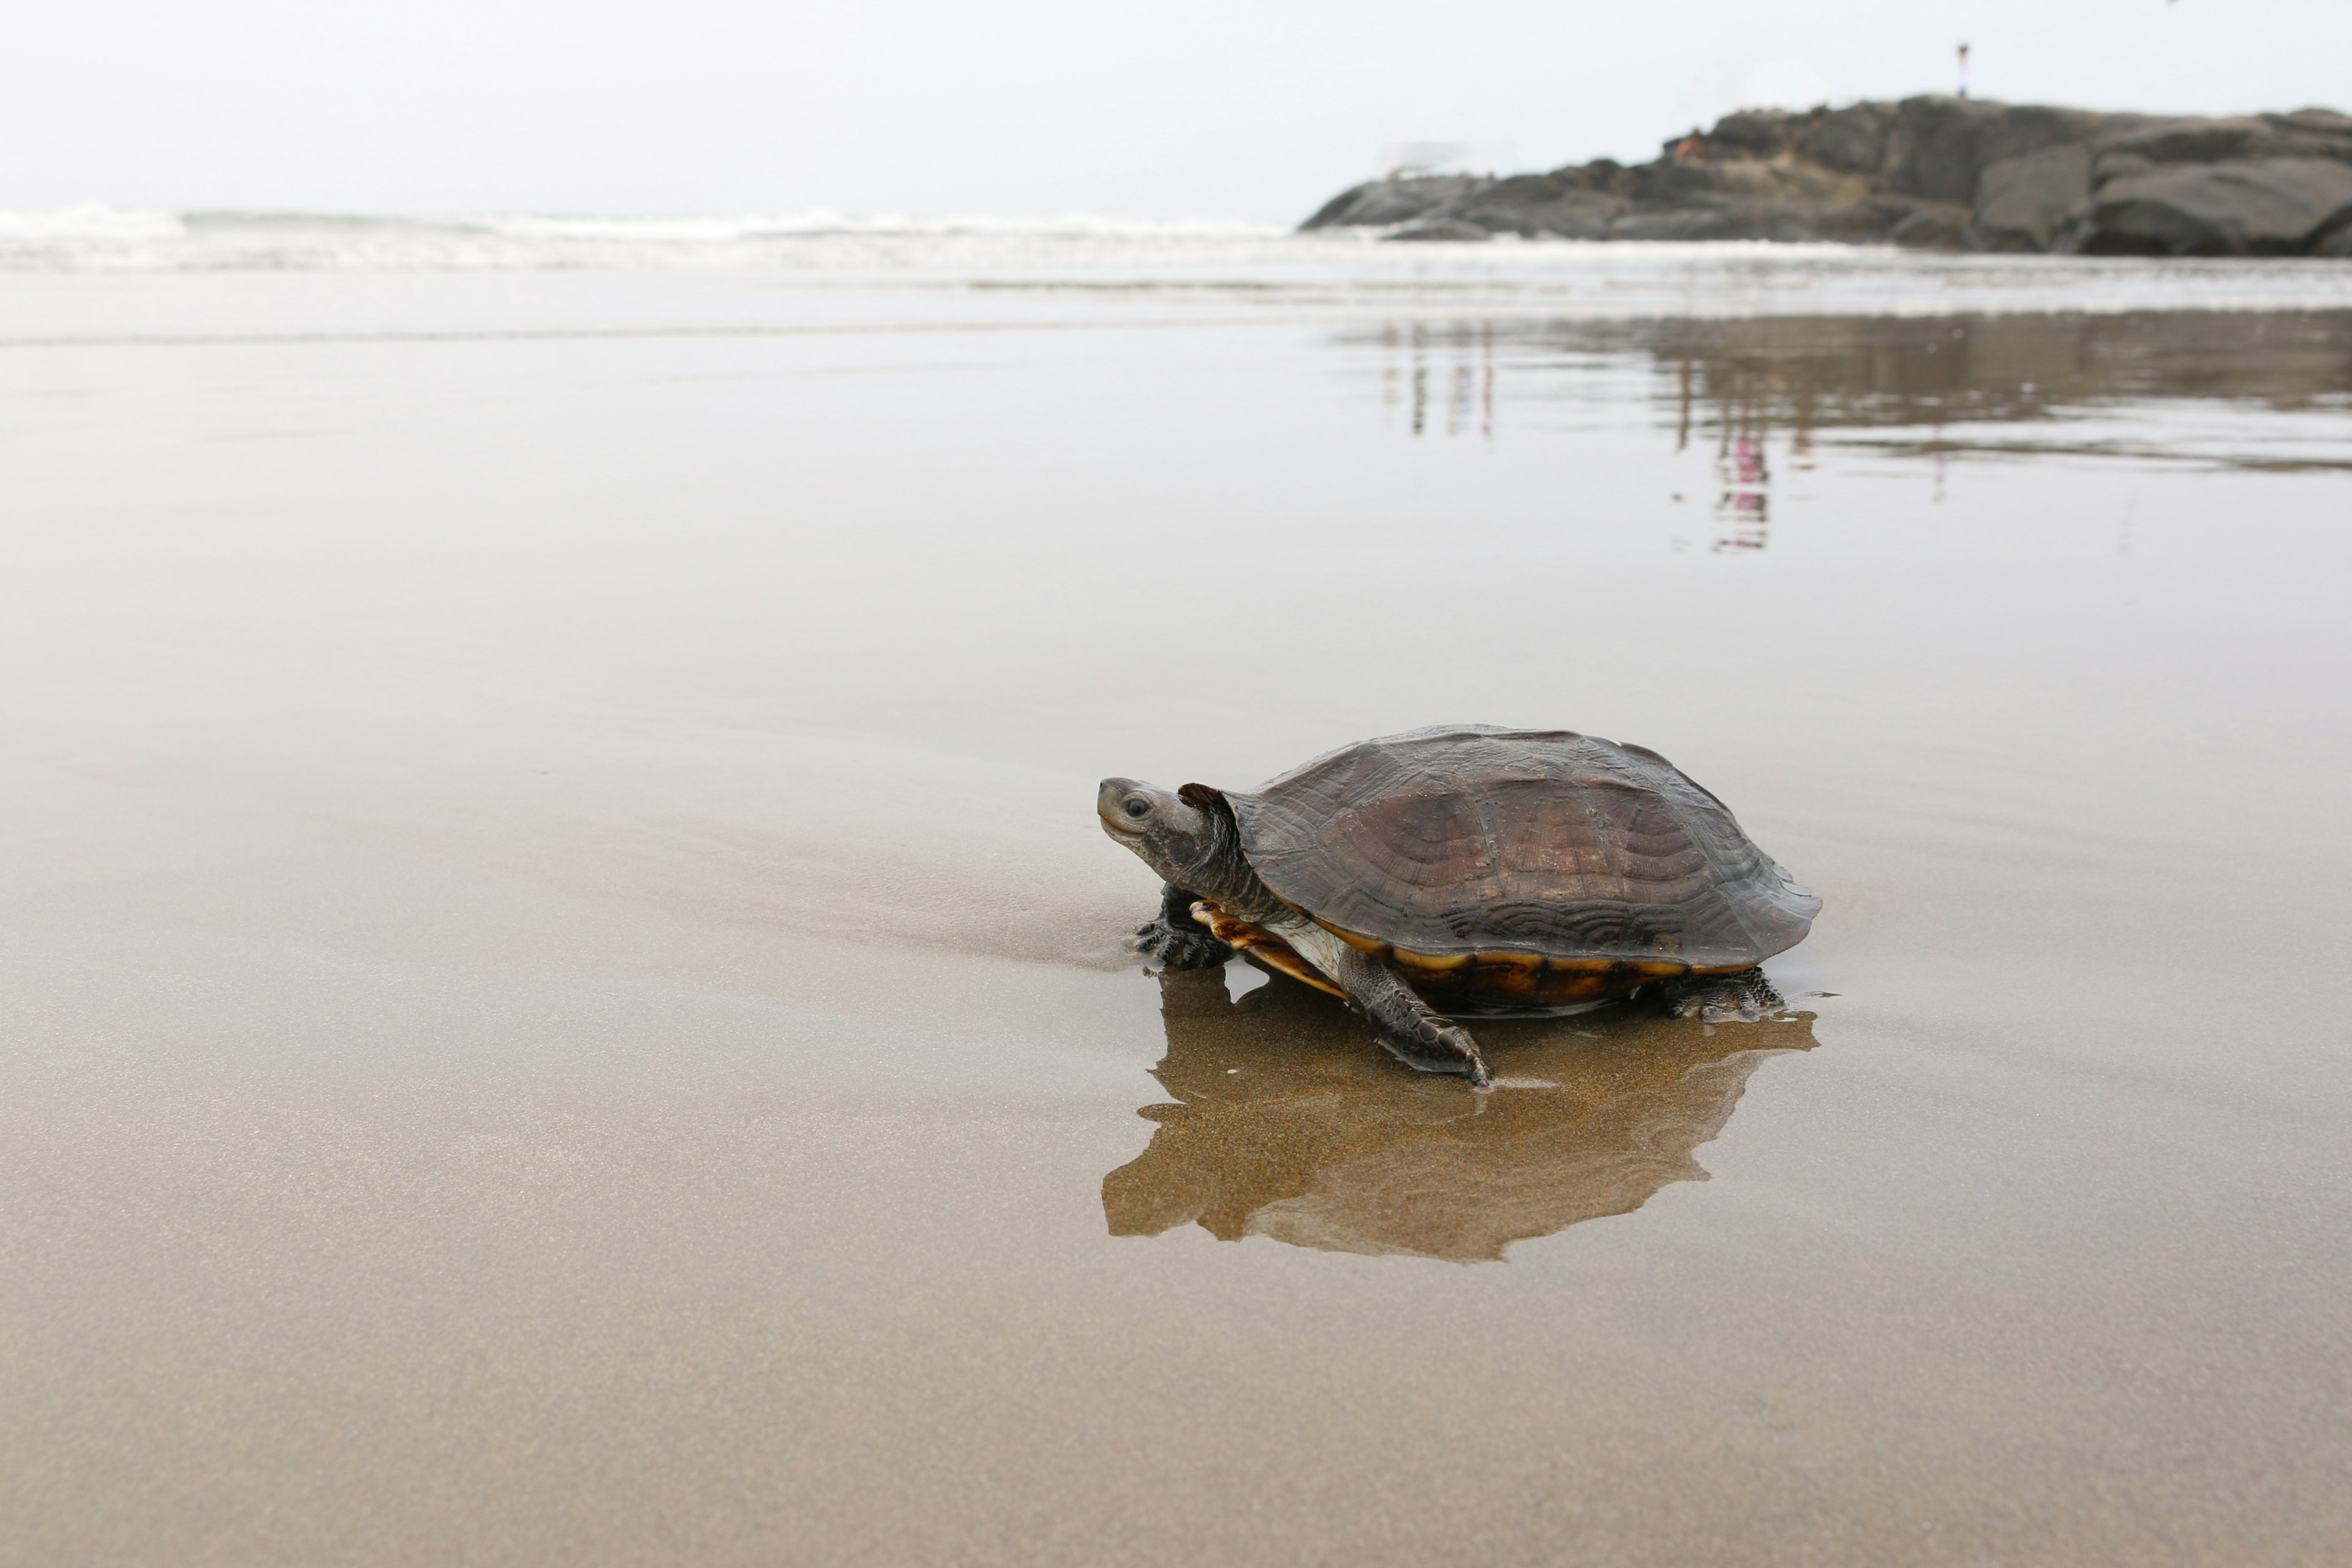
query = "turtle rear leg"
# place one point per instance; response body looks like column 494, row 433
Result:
column 1418, row 1037
column 1741, row 999
column 1408, row 1028
column 1177, row 941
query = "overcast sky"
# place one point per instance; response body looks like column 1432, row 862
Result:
column 1121, row 107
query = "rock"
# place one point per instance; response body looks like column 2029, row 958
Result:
column 1932, row 172
column 1863, row 221
column 2025, row 127
column 2110, row 164
column 2262, row 207
column 2226, row 141
column 1933, row 225
column 1688, row 223
column 2021, row 202
column 1849, row 141
column 1740, row 180
column 1752, row 133
column 2321, row 120
column 1787, row 222
column 1561, row 203
column 1379, row 203
column 1932, row 152
column 1442, row 228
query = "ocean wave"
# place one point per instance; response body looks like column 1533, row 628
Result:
column 826, row 221
column 101, row 224
column 1118, row 263
column 99, row 238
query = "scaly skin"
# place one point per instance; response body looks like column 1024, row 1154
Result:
column 1193, row 845
column 1176, row 940
column 1411, row 1030
column 1741, row 999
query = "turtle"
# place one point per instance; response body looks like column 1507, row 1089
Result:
column 1467, row 868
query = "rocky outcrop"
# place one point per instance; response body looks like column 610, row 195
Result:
column 1945, row 173
column 2262, row 207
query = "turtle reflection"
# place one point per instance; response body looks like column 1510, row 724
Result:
column 1289, row 1124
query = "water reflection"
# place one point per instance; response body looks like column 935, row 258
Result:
column 1288, row 1123
column 1929, row 388
column 1469, row 355
column 1743, row 515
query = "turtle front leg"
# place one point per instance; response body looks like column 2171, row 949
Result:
column 1177, row 941
column 1411, row 1030
column 1741, row 999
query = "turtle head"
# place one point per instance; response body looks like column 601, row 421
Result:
column 1185, row 836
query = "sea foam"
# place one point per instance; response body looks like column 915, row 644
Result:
column 100, row 238
column 1201, row 261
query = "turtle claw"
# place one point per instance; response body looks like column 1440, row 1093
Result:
column 1432, row 1044
column 1172, row 947
column 1741, row 999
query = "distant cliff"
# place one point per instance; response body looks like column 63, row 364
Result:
column 1944, row 173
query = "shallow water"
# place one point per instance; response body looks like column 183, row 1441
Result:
column 564, row 998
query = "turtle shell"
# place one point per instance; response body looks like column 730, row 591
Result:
column 1520, row 866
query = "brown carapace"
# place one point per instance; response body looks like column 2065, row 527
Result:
column 1500, row 868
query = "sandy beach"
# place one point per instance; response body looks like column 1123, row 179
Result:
column 565, row 1003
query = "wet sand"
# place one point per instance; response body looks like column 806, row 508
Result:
column 564, row 1000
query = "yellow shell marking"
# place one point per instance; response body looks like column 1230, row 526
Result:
column 1500, row 975
column 1261, row 945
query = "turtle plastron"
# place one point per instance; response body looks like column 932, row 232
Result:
column 1262, row 946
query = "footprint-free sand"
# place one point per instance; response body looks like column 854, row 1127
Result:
column 563, row 1001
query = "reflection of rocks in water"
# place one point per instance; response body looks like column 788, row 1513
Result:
column 1747, row 381
column 1472, row 381
column 1802, row 373
column 1291, row 1123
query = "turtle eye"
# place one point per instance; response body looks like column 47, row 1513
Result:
column 1138, row 808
